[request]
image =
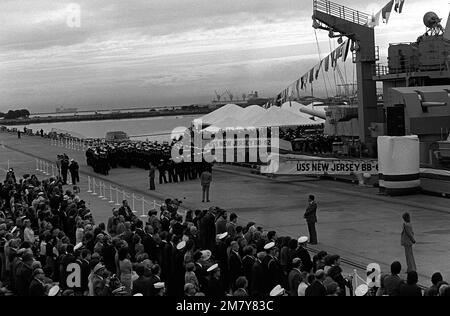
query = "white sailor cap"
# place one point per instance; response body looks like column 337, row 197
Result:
column 78, row 246
column 302, row 239
column 138, row 294
column 213, row 267
column 222, row 236
column 269, row 246
column 361, row 290
column 181, row 245
column 277, row 291
column 53, row 291
column 159, row 285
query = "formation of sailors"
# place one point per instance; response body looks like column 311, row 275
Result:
column 104, row 156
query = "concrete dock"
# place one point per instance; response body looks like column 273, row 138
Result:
column 354, row 221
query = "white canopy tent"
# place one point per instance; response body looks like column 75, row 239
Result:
column 224, row 124
column 279, row 117
column 229, row 110
column 252, row 112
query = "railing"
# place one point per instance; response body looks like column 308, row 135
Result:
column 380, row 70
column 70, row 143
column 341, row 12
column 106, row 192
column 116, row 195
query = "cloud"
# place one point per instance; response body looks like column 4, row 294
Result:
column 138, row 52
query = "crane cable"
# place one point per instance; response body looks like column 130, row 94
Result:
column 320, row 60
column 334, row 73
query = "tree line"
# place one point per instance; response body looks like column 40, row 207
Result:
column 15, row 114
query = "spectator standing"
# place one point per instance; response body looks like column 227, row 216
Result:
column 407, row 241
column 311, row 219
column 205, row 181
column 74, row 172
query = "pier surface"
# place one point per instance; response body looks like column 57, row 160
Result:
column 354, row 222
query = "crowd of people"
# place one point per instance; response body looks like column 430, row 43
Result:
column 310, row 142
column 50, row 245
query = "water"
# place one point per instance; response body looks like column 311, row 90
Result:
column 152, row 128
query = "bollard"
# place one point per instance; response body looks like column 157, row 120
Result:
column 117, row 197
column 143, row 208
column 93, row 187
column 37, row 164
column 104, row 192
column 100, row 193
column 89, row 185
column 110, row 194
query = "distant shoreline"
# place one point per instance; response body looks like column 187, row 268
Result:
column 109, row 116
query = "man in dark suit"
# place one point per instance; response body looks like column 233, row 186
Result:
column 235, row 264
column 150, row 246
column 257, row 285
column 317, row 288
column 143, row 284
column 215, row 288
column 272, row 268
column 294, row 277
column 151, row 176
column 302, row 253
column 311, row 219
column 200, row 272
column 247, row 264
column 155, row 278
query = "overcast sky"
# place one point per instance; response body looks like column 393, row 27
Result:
column 130, row 53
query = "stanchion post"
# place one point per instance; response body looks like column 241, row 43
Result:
column 89, row 185
column 117, row 197
column 100, row 193
column 104, row 192
column 143, row 209
column 133, row 210
column 93, row 187
column 110, row 194
column 37, row 164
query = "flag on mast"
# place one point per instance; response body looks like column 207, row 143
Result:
column 386, row 11
column 327, row 62
column 346, row 49
column 399, row 5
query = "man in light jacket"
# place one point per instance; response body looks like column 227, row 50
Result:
column 206, row 179
column 407, row 240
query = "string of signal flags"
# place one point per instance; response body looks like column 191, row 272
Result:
column 330, row 61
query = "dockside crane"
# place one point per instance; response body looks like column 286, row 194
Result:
column 342, row 21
